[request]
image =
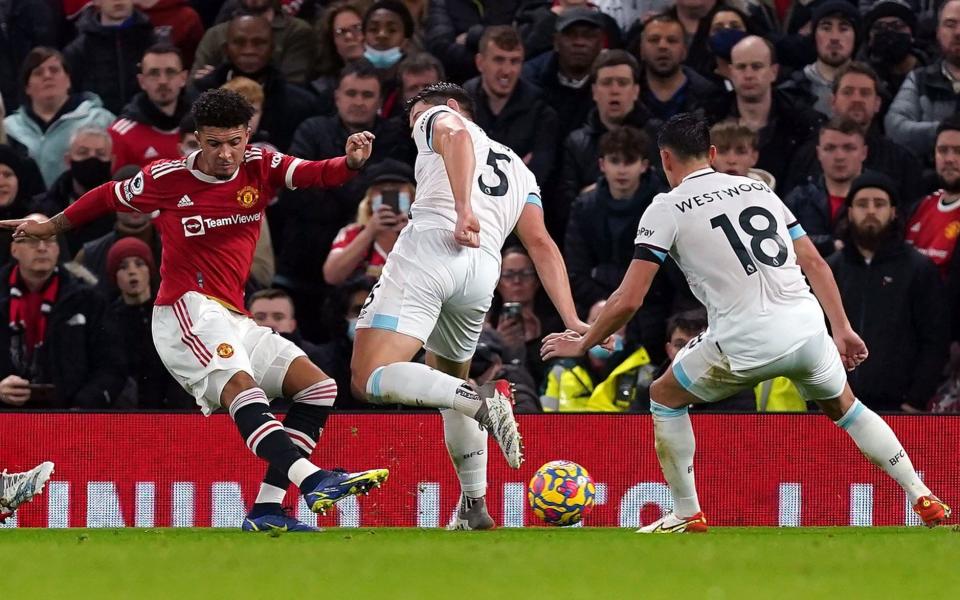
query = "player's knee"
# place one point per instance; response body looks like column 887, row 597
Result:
column 664, row 392
column 239, row 382
column 359, row 375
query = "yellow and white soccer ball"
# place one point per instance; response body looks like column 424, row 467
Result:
column 561, row 493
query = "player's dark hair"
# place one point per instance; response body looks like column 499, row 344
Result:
column 951, row 123
column 436, row 94
column 614, row 58
column 221, row 108
column 690, row 321
column 629, row 142
column 686, row 135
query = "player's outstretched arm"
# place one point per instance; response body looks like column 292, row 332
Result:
column 90, row 206
column 549, row 263
column 852, row 349
column 453, row 143
column 620, row 308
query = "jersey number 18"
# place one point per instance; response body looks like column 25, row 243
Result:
column 757, row 237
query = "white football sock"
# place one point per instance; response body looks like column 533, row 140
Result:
column 880, row 445
column 414, row 384
column 467, row 445
column 270, row 494
column 300, row 470
column 673, row 433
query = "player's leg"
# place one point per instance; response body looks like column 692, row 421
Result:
column 17, row 488
column 869, row 431
column 467, row 445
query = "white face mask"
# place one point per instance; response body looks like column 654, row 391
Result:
column 382, row 59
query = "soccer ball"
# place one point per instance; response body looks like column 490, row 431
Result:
column 561, row 493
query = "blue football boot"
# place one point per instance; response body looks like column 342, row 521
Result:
column 340, row 484
column 277, row 521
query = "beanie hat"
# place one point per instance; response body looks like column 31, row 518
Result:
column 874, row 179
column 125, row 248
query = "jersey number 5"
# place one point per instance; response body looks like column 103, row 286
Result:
column 502, row 185
column 757, row 237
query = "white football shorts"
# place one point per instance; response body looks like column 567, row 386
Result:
column 434, row 290
column 203, row 344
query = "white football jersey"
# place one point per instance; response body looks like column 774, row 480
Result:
column 502, row 184
column 733, row 238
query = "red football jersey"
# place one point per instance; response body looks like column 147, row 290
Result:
column 933, row 229
column 209, row 227
column 141, row 144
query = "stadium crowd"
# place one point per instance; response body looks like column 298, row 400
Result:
column 847, row 108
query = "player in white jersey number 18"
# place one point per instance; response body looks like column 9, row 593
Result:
column 438, row 283
column 730, row 268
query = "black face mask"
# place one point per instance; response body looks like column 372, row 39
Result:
column 90, row 172
column 891, row 46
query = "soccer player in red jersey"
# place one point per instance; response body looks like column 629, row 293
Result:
column 209, row 206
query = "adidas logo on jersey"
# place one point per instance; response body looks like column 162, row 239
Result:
column 150, row 153
column 185, row 201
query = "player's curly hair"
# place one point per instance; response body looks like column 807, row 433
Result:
column 221, row 108
column 436, row 94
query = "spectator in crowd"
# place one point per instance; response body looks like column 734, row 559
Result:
column 45, row 122
column 453, row 29
column 340, row 31
column 820, row 204
column 248, row 47
column 891, row 47
column 89, row 164
column 112, row 37
column 603, row 223
column 60, row 350
column 361, row 248
column 834, row 24
column 781, row 122
column 14, row 198
column 293, row 50
column 929, row 94
column 935, row 225
column 564, row 73
column 572, row 384
column 709, row 51
column 312, row 218
column 537, row 22
column 856, row 97
column 93, row 254
column 614, row 84
column 667, row 87
column 26, row 24
column 895, row 295
column 339, row 315
column 175, row 22
column 273, row 308
column 510, row 110
column 147, row 128
column 131, row 270
column 487, row 365
column 387, row 32
column 520, row 313
column 414, row 73
column 738, row 151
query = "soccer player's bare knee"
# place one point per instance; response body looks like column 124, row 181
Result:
column 239, row 382
column 301, row 374
column 837, row 407
column 666, row 391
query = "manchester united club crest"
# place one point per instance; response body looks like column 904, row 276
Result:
column 248, row 196
column 952, row 230
column 224, row 350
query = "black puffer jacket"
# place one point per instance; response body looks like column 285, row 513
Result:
column 447, row 19
column 527, row 124
column 896, row 303
column 600, row 237
column 81, row 353
column 104, row 60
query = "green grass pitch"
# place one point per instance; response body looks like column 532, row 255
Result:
column 534, row 564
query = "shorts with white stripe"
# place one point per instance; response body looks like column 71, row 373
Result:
column 202, row 345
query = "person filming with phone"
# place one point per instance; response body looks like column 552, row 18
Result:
column 57, row 349
column 361, row 248
column 521, row 313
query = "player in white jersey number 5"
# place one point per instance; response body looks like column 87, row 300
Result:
column 745, row 257
column 438, row 283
